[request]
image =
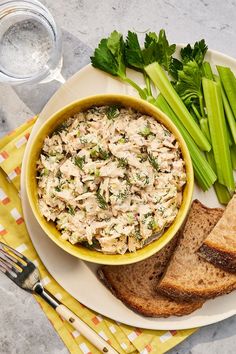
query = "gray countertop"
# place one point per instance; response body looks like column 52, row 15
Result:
column 24, row 327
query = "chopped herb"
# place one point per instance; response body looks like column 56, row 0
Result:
column 83, row 140
column 146, row 180
column 103, row 154
column 101, row 201
column 137, row 233
column 94, row 110
column 71, row 210
column 122, row 195
column 112, row 112
column 126, row 177
column 99, row 153
column 122, row 162
column 146, row 131
column 153, row 162
column 58, row 189
column 152, row 224
column 95, row 244
column 79, row 161
column 161, row 209
column 166, row 132
column 94, row 154
column 62, row 127
column 147, row 215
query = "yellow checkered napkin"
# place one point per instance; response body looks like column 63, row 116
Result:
column 123, row 338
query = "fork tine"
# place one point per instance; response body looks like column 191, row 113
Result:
column 4, row 270
column 11, row 258
column 4, row 260
column 5, row 247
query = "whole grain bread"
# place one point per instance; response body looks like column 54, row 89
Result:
column 135, row 285
column 189, row 276
column 219, row 247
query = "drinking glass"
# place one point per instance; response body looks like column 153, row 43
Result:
column 30, row 43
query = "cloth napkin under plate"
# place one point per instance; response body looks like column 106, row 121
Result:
column 123, row 338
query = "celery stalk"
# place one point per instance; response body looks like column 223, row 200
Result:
column 161, row 81
column 233, row 156
column 205, row 128
column 228, row 111
column 217, row 125
column 204, row 174
column 229, row 83
column 207, row 71
column 222, row 192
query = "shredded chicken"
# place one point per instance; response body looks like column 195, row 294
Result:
column 111, row 178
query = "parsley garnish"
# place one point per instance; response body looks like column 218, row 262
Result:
column 196, row 53
column 109, row 56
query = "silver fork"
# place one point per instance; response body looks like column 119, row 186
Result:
column 26, row 275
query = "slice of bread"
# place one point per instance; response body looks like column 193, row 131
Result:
column 135, row 285
column 188, row 275
column 219, row 247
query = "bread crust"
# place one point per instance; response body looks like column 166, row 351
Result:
column 224, row 259
column 193, row 294
column 171, row 283
column 181, row 308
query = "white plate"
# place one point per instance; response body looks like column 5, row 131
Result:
column 79, row 278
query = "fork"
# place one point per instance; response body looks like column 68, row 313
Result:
column 26, row 275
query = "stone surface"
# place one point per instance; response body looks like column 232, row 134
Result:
column 24, row 327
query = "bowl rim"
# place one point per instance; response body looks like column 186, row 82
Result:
column 80, row 251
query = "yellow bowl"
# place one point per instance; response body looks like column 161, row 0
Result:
column 49, row 227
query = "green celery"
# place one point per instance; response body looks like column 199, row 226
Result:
column 161, row 81
column 229, row 83
column 228, row 111
column 222, row 192
column 205, row 128
column 233, row 156
column 218, row 131
column 204, row 174
column 207, row 71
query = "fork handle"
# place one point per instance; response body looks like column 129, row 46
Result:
column 74, row 320
column 85, row 330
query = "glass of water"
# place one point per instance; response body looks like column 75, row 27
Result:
column 30, row 43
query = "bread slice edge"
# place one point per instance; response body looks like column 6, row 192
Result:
column 189, row 307
column 218, row 256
